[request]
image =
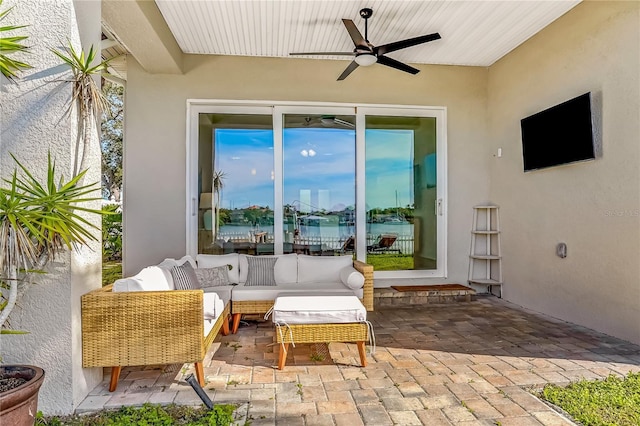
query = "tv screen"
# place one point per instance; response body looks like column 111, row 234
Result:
column 559, row 135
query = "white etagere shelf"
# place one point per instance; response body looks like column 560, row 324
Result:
column 485, row 258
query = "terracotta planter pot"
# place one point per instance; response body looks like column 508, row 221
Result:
column 18, row 406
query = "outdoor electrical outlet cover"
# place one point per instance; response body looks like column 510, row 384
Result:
column 561, row 250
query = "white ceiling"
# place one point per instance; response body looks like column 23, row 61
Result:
column 474, row 32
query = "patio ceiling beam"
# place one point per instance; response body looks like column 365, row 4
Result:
column 139, row 25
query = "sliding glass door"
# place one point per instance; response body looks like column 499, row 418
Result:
column 319, row 188
column 320, row 180
column 401, row 193
column 235, row 195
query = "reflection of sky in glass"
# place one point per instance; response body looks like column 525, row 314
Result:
column 389, row 166
column 322, row 161
column 317, row 159
column 246, row 158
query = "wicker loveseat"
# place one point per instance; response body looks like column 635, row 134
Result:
column 291, row 273
column 156, row 326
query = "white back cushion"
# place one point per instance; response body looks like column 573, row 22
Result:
column 321, row 268
column 167, row 264
column 185, row 259
column 151, row 278
column 285, row 270
column 213, row 260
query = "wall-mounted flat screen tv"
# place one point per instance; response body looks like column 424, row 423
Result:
column 559, row 135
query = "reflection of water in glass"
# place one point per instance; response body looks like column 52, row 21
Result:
column 329, row 232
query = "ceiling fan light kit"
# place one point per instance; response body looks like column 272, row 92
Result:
column 366, row 54
column 366, row 59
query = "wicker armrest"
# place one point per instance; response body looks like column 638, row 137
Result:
column 366, row 270
column 142, row 327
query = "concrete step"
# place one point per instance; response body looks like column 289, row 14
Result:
column 422, row 295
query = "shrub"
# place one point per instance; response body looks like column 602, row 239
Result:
column 112, row 233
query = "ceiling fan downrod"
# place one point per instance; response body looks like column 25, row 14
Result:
column 366, row 14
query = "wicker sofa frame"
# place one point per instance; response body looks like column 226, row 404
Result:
column 262, row 306
column 146, row 328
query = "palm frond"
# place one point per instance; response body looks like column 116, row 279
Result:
column 9, row 67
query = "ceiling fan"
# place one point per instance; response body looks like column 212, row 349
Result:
column 367, row 54
column 327, row 121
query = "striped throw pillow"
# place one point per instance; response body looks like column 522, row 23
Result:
column 260, row 271
column 184, row 277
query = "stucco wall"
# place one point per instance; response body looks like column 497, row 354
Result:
column 593, row 206
column 32, row 123
column 154, row 204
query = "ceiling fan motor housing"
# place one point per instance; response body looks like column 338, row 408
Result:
column 366, row 13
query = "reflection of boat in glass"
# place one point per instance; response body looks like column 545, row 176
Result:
column 395, row 220
column 312, row 220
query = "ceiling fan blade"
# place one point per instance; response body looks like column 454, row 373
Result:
column 325, row 53
column 354, row 33
column 344, row 123
column 403, row 44
column 385, row 60
column 352, row 66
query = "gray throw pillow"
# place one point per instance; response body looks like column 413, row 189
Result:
column 184, row 277
column 260, row 271
column 213, row 277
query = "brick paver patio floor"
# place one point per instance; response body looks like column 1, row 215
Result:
column 456, row 364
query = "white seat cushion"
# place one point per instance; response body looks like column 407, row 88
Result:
column 212, row 306
column 242, row 293
column 223, row 292
column 208, row 325
column 316, row 308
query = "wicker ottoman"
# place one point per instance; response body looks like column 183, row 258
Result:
column 319, row 318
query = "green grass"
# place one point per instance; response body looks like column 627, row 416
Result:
column 147, row 415
column 614, row 401
column 111, row 271
column 390, row 261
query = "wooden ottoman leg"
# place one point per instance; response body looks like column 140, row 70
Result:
column 236, row 322
column 199, row 372
column 282, row 359
column 363, row 354
column 115, row 374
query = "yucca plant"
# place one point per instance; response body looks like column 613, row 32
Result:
column 10, row 45
column 86, row 93
column 37, row 222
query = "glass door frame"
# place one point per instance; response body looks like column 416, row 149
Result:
column 440, row 207
column 277, row 110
